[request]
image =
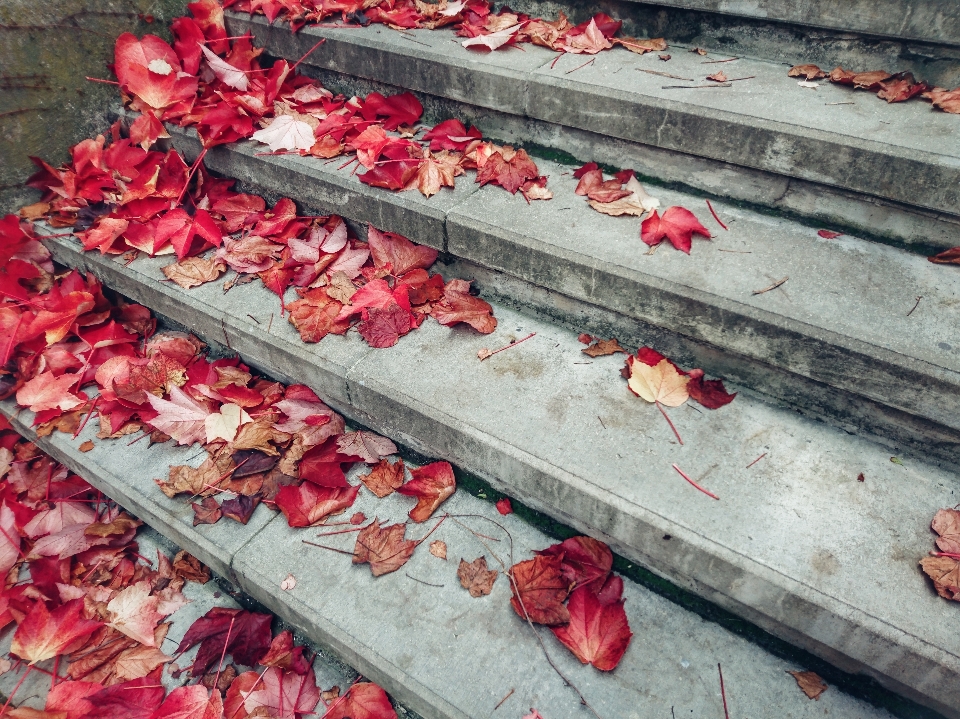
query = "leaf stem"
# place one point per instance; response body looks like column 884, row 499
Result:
column 702, row 489
column 669, row 421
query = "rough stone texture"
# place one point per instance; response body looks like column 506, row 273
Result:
column 766, row 123
column 46, row 49
column 831, row 324
column 796, row 545
column 126, row 476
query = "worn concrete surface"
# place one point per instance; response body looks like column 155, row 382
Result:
column 126, row 474
column 927, row 20
column 767, row 123
column 796, row 545
column 840, row 320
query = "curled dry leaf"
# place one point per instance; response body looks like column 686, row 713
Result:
column 383, row 548
column 946, row 523
column 194, row 271
column 384, row 478
column 810, row 72
column 947, row 257
column 438, row 549
column 86, row 446
column 431, row 485
column 504, row 506
column 476, row 578
column 602, row 348
column 190, row 568
column 288, row 583
column 810, row 683
column 945, row 573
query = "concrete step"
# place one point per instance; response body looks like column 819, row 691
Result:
column 423, row 638
column 838, row 340
column 890, row 171
column 796, row 544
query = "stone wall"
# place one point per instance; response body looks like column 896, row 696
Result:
column 47, row 48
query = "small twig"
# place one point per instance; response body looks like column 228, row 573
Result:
column 669, row 421
column 774, row 286
column 737, row 79
column 665, row 74
column 723, row 693
column 134, row 441
column 87, row 418
column 839, row 103
column 104, row 82
column 695, row 87
column 601, row 422
column 702, row 489
column 270, row 324
column 739, row 252
column 756, row 460
column 307, row 54
column 405, row 37
column 512, row 344
column 716, row 216
column 332, row 549
column 253, row 318
column 20, row 112
column 715, row 62
column 556, row 59
column 915, row 306
column 341, row 531
column 588, row 62
column 438, row 586
column 500, row 703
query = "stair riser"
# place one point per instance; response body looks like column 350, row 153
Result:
column 919, row 403
column 770, row 600
column 895, row 197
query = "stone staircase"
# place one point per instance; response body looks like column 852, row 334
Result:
column 840, row 369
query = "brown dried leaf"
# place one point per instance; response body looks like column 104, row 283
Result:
column 603, row 348
column 188, row 567
column 86, row 446
column 384, row 548
column 810, row 683
column 475, row 577
column 385, row 478
column 194, row 271
column 438, row 549
column 341, row 287
column 207, row 512
column 945, row 573
column 810, row 72
column 641, row 46
column 946, row 523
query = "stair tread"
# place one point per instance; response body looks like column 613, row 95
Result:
column 937, row 21
column 829, row 561
column 445, row 654
column 841, row 319
column 767, row 123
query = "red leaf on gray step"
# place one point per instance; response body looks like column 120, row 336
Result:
column 180, row 229
column 901, row 87
column 829, row 234
column 585, row 561
column 598, row 633
column 451, row 135
column 249, row 637
column 281, row 694
column 948, row 101
column 362, row 701
column 383, row 548
column 581, row 171
column 458, row 305
column 432, row 484
column 945, row 573
column 308, row 503
column 46, row 391
column 134, row 699
column 504, row 506
column 946, row 523
column 539, row 588
column 718, row 77
column 593, row 186
column 588, row 37
column 710, row 393
column 510, row 173
column 376, row 294
column 149, row 69
column 285, row 655
column 316, row 315
column 206, row 512
column 947, row 257
column 810, row 72
column 383, row 328
column 396, row 110
column 677, row 224
column 191, row 702
column 43, row 634
column 369, row 447
column 240, row 508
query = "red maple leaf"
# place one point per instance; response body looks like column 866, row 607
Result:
column 383, row 328
column 150, row 70
column 134, row 699
column 384, row 548
column 362, row 701
column 431, row 485
column 710, row 393
column 308, row 504
column 316, row 314
column 509, row 174
column 279, row 694
column 451, row 135
column 43, row 634
column 539, row 588
column 584, row 561
column 598, row 632
column 245, row 635
column 72, row 698
column 285, row 655
column 458, row 305
column 398, row 254
column 191, row 702
column 678, row 225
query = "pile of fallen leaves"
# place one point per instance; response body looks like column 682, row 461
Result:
column 898, row 87
column 90, row 611
column 119, row 198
